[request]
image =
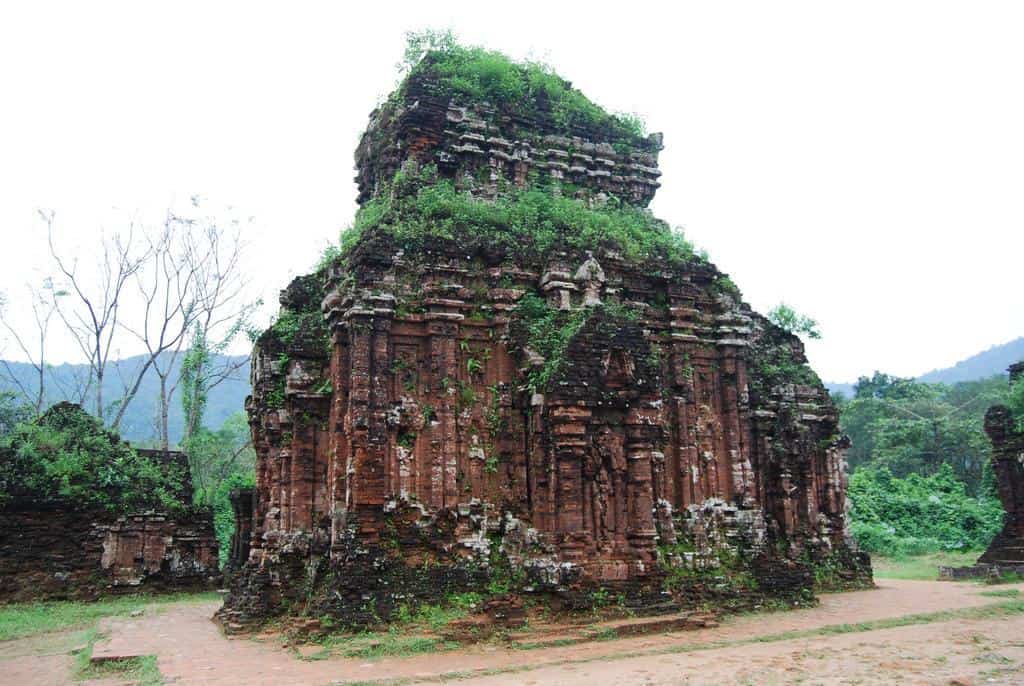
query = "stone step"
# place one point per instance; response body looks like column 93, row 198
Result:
column 556, row 635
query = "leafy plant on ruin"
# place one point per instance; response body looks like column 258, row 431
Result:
column 66, row 455
column 547, row 332
column 772, row 363
column 275, row 397
column 722, row 570
column 722, row 284
column 419, row 210
column 529, row 87
column 291, row 326
column 788, row 319
column 496, row 423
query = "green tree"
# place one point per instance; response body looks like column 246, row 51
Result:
column 911, row 427
column 12, row 413
column 788, row 319
column 1015, row 401
column 216, row 455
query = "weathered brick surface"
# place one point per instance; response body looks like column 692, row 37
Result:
column 55, row 549
column 401, row 456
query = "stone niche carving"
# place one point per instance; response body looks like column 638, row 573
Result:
column 415, row 458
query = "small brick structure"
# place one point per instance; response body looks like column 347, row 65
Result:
column 1006, row 552
column 400, row 455
column 54, row 550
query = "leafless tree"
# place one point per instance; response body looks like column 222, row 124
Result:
column 156, row 284
column 90, row 314
column 192, row 281
column 42, row 303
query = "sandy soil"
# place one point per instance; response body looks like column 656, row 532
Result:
column 191, row 650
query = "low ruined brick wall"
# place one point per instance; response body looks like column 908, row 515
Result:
column 50, row 552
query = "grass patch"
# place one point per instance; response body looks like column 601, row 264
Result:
column 1002, row 593
column 19, row 620
column 1005, row 578
column 919, row 567
column 410, row 633
column 142, row 671
column 390, row 643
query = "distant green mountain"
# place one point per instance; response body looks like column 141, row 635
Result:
column 987, row 363
column 993, row 361
column 139, row 423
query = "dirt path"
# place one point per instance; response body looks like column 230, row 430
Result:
column 744, row 650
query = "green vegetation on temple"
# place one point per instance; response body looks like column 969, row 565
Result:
column 527, row 88
column 67, row 455
column 420, row 210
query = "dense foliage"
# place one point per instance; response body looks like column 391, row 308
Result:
column 911, row 427
column 223, row 514
column 919, row 514
column 12, row 413
column 66, row 455
column 774, row 362
column 526, row 224
column 921, row 478
column 483, row 75
column 1015, row 401
column 219, row 455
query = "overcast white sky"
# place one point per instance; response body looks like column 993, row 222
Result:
column 863, row 161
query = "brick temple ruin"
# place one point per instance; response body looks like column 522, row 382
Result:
column 402, row 452
column 1005, row 554
column 56, row 549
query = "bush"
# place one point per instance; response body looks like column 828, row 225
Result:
column 67, row 455
column 919, row 514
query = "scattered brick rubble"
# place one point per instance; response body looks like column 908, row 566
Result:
column 401, row 457
column 1006, row 552
column 54, row 549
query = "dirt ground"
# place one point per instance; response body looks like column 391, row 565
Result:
column 983, row 648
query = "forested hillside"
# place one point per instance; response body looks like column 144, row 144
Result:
column 987, row 363
column 138, row 425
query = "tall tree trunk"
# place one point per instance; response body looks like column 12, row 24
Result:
column 165, row 439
